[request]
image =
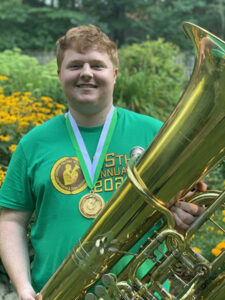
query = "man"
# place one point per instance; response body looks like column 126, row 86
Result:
column 52, row 171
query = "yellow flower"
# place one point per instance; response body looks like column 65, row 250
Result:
column 219, row 231
column 22, row 125
column 50, row 105
column 223, row 212
column 4, row 138
column 12, row 148
column 209, row 228
column 197, row 249
column 216, row 251
column 28, row 94
column 21, row 111
column 46, row 99
column 58, row 105
column 3, row 77
column 223, row 219
column 221, row 245
column 192, row 237
column 18, row 93
column 2, row 175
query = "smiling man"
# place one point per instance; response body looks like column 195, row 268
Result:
column 88, row 81
column 66, row 169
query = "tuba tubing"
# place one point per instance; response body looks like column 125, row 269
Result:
column 189, row 145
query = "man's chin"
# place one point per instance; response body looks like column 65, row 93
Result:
column 87, row 106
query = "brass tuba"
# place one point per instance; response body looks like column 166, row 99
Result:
column 187, row 148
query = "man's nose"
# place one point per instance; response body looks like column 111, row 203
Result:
column 86, row 72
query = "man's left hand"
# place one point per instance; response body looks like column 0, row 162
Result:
column 186, row 213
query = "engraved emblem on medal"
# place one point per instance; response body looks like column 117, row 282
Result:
column 91, row 204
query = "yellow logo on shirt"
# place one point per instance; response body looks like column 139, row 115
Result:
column 67, row 176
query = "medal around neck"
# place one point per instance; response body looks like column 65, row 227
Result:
column 91, row 204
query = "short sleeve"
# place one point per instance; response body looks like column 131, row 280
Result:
column 16, row 192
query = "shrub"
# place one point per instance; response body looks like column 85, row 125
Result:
column 25, row 73
column 150, row 79
column 21, row 111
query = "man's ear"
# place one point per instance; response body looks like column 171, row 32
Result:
column 59, row 74
column 115, row 74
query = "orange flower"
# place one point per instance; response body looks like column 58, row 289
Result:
column 216, row 251
column 197, row 249
column 12, row 148
column 4, row 138
column 221, row 245
column 3, row 77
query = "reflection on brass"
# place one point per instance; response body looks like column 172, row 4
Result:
column 189, row 145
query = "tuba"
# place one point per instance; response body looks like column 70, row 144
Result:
column 189, row 145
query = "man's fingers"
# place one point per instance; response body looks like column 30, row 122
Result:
column 184, row 216
column 201, row 186
column 179, row 223
column 190, row 208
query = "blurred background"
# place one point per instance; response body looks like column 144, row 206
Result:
column 156, row 61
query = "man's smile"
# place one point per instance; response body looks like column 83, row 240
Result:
column 86, row 85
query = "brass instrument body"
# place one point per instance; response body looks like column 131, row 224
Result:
column 189, row 145
column 180, row 251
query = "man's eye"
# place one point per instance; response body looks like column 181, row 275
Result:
column 97, row 67
column 75, row 67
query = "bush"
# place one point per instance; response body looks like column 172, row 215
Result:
column 25, row 73
column 37, row 26
column 19, row 113
column 150, row 79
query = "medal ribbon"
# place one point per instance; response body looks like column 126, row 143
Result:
column 91, row 170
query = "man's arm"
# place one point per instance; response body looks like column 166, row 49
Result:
column 14, row 250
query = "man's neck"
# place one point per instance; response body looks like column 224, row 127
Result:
column 90, row 120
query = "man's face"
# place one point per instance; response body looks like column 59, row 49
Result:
column 87, row 80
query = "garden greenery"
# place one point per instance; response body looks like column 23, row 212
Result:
column 150, row 79
column 26, row 73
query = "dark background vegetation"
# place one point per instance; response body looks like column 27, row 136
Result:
column 36, row 24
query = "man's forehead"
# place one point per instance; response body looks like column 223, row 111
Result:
column 92, row 54
column 85, row 49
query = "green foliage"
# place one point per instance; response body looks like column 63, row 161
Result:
column 126, row 21
column 27, row 27
column 27, row 74
column 216, row 179
column 166, row 18
column 150, row 78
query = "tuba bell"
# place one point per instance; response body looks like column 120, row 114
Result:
column 189, row 145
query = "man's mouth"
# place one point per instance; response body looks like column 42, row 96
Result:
column 86, row 85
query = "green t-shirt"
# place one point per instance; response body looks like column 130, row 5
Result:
column 44, row 176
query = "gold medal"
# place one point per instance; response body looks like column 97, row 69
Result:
column 90, row 205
